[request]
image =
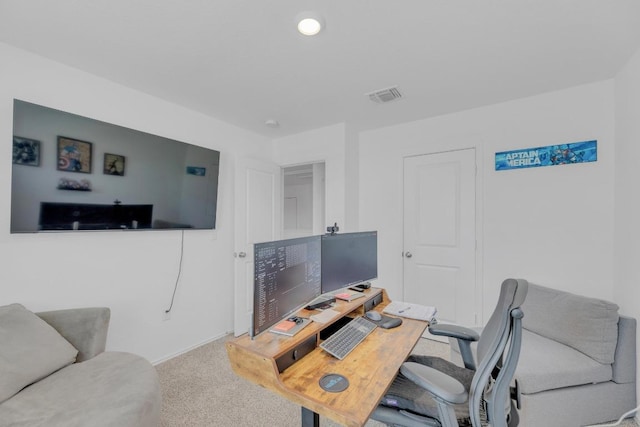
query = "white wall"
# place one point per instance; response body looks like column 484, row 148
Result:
column 352, row 178
column 627, row 196
column 132, row 273
column 320, row 145
column 550, row 225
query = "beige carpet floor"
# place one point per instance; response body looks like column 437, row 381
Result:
column 200, row 390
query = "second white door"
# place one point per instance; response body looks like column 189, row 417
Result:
column 439, row 234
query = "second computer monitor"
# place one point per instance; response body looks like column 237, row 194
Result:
column 348, row 259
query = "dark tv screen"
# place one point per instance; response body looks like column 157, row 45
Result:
column 72, row 172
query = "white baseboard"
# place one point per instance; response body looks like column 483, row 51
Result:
column 193, row 347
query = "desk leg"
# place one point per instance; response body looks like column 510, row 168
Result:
column 310, row 418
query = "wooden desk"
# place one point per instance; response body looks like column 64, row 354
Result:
column 370, row 367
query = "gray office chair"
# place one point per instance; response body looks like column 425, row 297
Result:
column 430, row 391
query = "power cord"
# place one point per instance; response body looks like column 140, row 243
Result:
column 625, row 415
column 175, row 288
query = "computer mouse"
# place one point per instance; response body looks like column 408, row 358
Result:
column 391, row 322
column 373, row 315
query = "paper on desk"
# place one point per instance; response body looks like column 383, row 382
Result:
column 410, row 310
column 324, row 316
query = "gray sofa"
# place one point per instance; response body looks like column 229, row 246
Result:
column 55, row 372
column 577, row 363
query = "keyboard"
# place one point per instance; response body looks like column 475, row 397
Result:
column 348, row 337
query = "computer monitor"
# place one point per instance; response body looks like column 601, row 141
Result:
column 348, row 259
column 286, row 278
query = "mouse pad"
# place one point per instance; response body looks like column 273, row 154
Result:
column 385, row 319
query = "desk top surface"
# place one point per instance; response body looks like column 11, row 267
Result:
column 370, row 368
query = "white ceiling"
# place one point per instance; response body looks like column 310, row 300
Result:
column 243, row 62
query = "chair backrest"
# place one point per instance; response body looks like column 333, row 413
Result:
column 498, row 347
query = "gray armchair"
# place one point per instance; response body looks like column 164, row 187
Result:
column 430, row 391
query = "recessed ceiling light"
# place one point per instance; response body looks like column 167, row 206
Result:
column 309, row 23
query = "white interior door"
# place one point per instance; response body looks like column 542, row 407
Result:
column 440, row 235
column 258, row 219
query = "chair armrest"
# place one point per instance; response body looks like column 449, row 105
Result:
column 465, row 337
column 435, row 382
column 454, row 331
column 85, row 328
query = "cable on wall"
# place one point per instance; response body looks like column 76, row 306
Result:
column 175, row 288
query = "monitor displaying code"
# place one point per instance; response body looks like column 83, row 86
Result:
column 286, row 278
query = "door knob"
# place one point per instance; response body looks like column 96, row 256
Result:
column 408, row 254
column 242, row 254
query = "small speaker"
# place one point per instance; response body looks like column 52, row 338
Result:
column 295, row 354
column 369, row 305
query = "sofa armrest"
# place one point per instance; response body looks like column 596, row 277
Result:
column 85, row 328
column 624, row 364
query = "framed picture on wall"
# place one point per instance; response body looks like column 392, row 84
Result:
column 26, row 151
column 113, row 164
column 74, row 155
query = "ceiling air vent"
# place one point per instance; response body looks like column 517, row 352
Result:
column 385, row 95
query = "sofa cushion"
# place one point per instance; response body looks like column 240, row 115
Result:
column 587, row 324
column 112, row 389
column 546, row 364
column 30, row 350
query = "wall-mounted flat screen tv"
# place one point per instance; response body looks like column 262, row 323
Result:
column 75, row 173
